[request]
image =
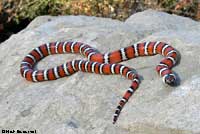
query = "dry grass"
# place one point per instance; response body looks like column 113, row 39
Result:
column 16, row 11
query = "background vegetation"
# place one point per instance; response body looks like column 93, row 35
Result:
column 16, row 14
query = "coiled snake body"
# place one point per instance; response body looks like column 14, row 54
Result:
column 100, row 63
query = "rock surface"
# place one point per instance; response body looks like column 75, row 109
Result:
column 84, row 103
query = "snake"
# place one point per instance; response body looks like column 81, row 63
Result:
column 99, row 63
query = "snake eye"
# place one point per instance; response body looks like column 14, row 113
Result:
column 170, row 79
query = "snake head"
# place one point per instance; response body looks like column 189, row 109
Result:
column 170, row 79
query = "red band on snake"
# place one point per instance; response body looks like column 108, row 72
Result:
column 100, row 63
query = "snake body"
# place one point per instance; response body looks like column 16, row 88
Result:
column 100, row 63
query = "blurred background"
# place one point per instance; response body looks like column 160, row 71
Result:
column 17, row 14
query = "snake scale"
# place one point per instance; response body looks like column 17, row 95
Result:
column 100, row 63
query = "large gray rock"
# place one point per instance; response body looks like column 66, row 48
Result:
column 84, row 103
